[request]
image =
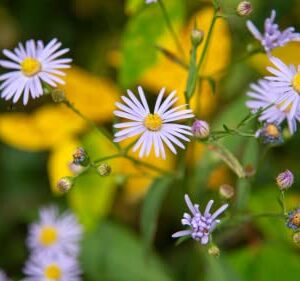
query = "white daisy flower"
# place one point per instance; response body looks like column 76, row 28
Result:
column 155, row 128
column 32, row 65
column 55, row 233
column 43, row 267
column 278, row 107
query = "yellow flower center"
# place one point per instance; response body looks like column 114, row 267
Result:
column 153, row 122
column 296, row 82
column 30, row 66
column 272, row 130
column 53, row 272
column 48, row 236
column 296, row 219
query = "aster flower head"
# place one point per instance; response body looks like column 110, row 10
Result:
column 44, row 267
column 55, row 233
column 285, row 180
column 31, row 65
column 293, row 219
column 272, row 37
column 270, row 133
column 276, row 106
column 157, row 128
column 201, row 225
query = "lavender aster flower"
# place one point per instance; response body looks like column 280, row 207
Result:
column 157, row 128
column 201, row 225
column 285, row 180
column 31, row 66
column 41, row 267
column 272, row 36
column 278, row 106
column 293, row 219
column 55, row 233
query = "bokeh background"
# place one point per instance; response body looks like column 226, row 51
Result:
column 114, row 46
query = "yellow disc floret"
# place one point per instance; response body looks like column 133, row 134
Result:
column 48, row 236
column 30, row 66
column 153, row 122
column 52, row 272
column 272, row 130
column 296, row 82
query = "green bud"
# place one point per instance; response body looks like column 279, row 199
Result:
column 58, row 95
column 197, row 36
column 214, row 251
column 65, row 184
column 104, row 170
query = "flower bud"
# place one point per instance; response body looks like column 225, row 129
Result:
column 296, row 238
column 80, row 157
column 197, row 36
column 104, row 170
column 293, row 219
column 226, row 191
column 58, row 95
column 244, row 8
column 201, row 129
column 65, row 184
column 285, row 180
column 249, row 170
column 214, row 251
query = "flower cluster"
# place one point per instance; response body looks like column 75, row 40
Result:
column 201, row 225
column 277, row 95
column 54, row 246
column 272, row 37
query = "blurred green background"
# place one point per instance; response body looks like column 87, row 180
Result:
column 115, row 41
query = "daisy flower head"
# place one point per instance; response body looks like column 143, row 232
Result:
column 155, row 129
column 277, row 106
column 44, row 267
column 31, row 65
column 55, row 233
column 272, row 37
column 200, row 225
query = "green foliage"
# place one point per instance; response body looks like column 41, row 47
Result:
column 142, row 31
column 112, row 253
column 151, row 208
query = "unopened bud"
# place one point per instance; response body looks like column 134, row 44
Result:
column 197, row 36
column 104, row 170
column 214, row 251
column 226, row 191
column 80, row 157
column 296, row 238
column 285, row 180
column 65, row 184
column 201, row 129
column 58, row 95
column 244, row 8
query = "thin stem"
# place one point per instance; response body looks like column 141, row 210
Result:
column 147, row 165
column 102, row 131
column 170, row 27
column 108, row 158
column 283, row 203
column 207, row 41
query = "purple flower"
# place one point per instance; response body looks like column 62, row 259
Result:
column 270, row 133
column 201, row 225
column 3, row 276
column 201, row 129
column 272, row 36
column 293, row 219
column 285, row 180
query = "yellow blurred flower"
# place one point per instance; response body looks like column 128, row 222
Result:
column 289, row 54
column 167, row 73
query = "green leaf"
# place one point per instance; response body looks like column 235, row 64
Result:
column 151, row 208
column 132, row 6
column 140, row 36
column 112, row 253
column 192, row 75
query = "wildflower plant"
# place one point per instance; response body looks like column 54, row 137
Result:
column 160, row 143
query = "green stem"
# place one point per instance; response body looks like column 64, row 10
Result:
column 108, row 158
column 102, row 131
column 283, row 203
column 207, row 41
column 170, row 27
column 147, row 165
